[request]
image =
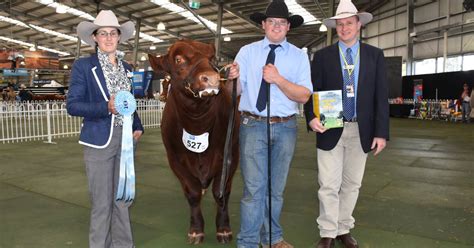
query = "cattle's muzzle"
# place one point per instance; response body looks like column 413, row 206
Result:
column 208, row 81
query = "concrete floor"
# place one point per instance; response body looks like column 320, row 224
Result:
column 418, row 193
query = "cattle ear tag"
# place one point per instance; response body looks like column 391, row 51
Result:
column 196, row 143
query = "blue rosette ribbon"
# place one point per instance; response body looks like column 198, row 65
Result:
column 125, row 104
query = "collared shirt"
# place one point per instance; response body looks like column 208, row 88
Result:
column 355, row 52
column 292, row 63
column 115, row 78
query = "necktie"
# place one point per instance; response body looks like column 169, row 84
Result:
column 262, row 94
column 349, row 88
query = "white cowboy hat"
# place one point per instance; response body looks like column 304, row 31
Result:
column 105, row 18
column 347, row 9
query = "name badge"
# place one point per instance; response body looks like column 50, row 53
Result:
column 196, row 143
column 350, row 90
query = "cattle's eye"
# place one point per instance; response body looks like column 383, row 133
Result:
column 179, row 60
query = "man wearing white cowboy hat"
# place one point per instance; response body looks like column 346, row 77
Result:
column 358, row 70
column 94, row 82
column 271, row 61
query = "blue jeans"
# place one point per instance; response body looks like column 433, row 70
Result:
column 254, row 167
column 466, row 110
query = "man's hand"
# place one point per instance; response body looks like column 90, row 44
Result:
column 111, row 105
column 316, row 125
column 271, row 74
column 234, row 71
column 137, row 134
column 379, row 144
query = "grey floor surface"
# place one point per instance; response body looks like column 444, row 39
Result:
column 418, row 193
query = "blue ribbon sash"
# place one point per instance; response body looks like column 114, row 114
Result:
column 126, row 105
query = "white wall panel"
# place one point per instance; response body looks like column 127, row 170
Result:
column 401, row 51
column 400, row 2
column 401, row 20
column 468, row 43
column 454, row 45
column 387, row 6
column 386, row 25
column 427, row 26
column 454, row 5
column 372, row 29
column 387, row 40
column 401, row 38
column 389, row 52
column 468, row 15
column 373, row 41
column 455, row 19
column 443, row 7
column 426, row 12
column 425, row 49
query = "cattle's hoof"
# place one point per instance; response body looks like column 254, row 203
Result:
column 195, row 238
column 224, row 237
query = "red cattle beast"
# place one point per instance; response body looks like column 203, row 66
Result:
column 194, row 129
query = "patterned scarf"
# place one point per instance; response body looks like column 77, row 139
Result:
column 115, row 77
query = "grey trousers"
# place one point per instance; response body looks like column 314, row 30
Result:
column 340, row 173
column 110, row 222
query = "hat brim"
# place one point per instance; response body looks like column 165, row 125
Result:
column 364, row 18
column 294, row 20
column 85, row 30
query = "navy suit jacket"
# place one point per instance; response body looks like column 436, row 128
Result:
column 88, row 97
column 372, row 94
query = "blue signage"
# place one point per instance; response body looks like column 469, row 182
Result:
column 141, row 82
column 15, row 73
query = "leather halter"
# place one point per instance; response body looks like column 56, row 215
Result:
column 187, row 79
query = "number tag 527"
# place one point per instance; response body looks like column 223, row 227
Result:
column 196, row 143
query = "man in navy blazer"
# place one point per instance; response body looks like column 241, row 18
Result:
column 359, row 71
column 90, row 98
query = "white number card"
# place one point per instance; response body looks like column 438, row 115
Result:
column 196, row 143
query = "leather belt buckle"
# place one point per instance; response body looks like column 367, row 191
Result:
column 272, row 120
column 275, row 119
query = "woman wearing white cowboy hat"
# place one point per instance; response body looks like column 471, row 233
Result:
column 342, row 152
column 94, row 82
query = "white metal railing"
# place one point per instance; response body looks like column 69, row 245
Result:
column 48, row 120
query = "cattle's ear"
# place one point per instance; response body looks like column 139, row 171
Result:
column 158, row 64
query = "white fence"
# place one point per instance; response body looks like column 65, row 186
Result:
column 48, row 120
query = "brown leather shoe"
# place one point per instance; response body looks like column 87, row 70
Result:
column 348, row 241
column 326, row 243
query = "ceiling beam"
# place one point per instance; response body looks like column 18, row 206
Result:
column 197, row 16
column 15, row 14
column 144, row 22
column 239, row 15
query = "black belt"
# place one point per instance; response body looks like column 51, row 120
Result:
column 273, row 119
column 354, row 119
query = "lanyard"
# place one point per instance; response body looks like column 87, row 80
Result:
column 350, row 69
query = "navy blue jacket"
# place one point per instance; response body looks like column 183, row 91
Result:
column 372, row 94
column 88, row 97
